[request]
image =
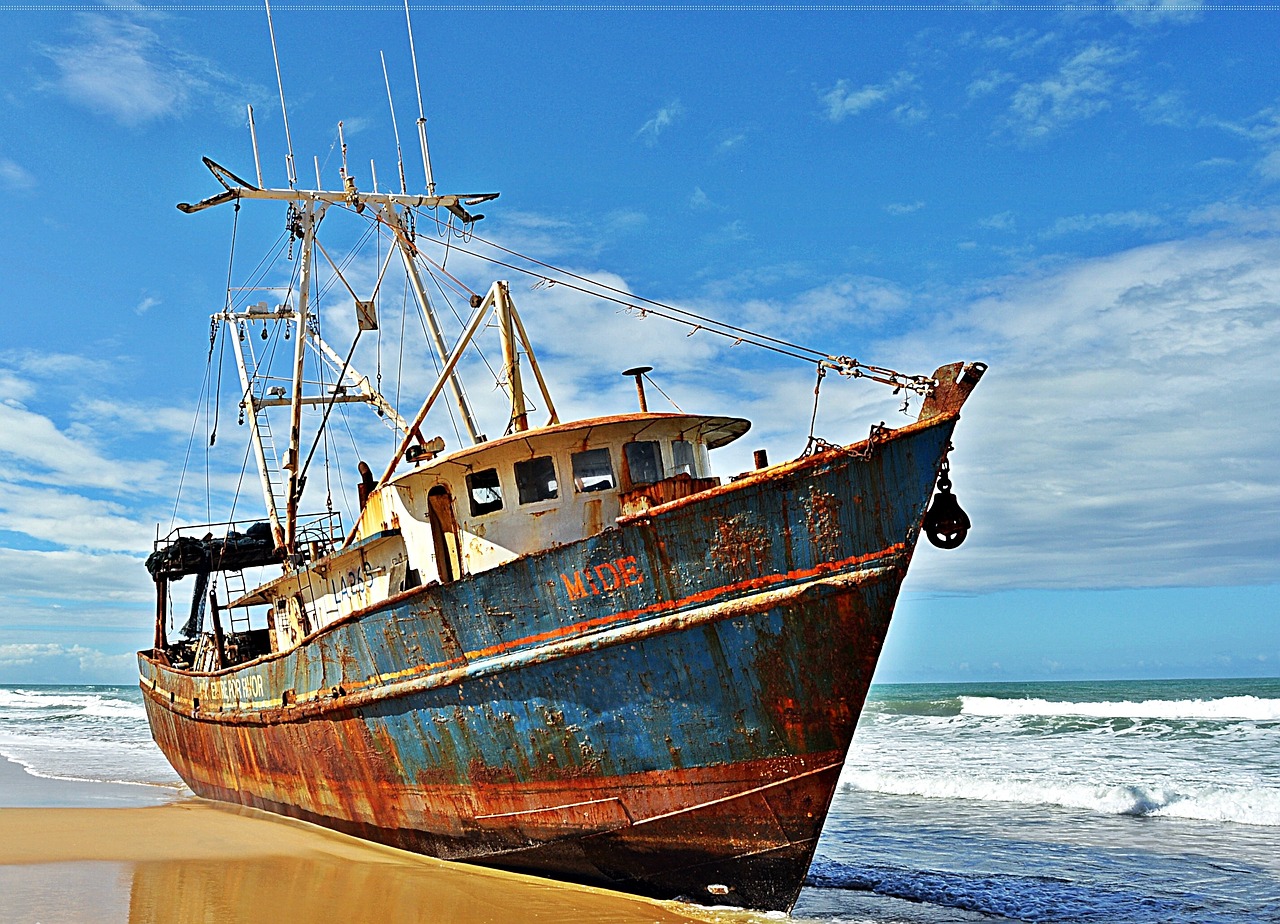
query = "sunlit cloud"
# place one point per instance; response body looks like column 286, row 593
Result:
column 1114, row 443
column 87, row 665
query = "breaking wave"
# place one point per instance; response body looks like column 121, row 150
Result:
column 1237, row 708
column 1251, row 806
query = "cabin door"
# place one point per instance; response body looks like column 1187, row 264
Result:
column 444, row 530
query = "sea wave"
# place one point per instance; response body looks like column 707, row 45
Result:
column 103, row 705
column 1240, row 805
column 1228, row 708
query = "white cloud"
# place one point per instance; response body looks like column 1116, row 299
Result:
column 1117, row 441
column 731, row 142
column 988, row 83
column 1269, row 166
column 663, row 119
column 86, row 664
column 1240, row 217
column 1081, row 87
column 904, row 208
column 842, row 100
column 32, row 445
column 15, row 177
column 71, row 520
column 66, row 575
column 1083, row 224
column 118, row 67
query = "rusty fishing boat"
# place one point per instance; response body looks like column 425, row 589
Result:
column 569, row 650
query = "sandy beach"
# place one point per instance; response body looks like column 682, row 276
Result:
column 103, row 853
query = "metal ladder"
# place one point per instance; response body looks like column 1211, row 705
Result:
column 274, row 476
column 234, row 587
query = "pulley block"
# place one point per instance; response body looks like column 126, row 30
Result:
column 945, row 523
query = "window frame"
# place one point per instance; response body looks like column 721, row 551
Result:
column 478, row 508
column 527, row 478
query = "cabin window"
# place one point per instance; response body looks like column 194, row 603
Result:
column 592, row 470
column 644, row 461
column 536, row 480
column 682, row 458
column 484, row 491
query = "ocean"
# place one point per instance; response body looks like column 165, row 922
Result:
column 1151, row 802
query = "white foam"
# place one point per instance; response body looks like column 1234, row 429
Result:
column 1251, row 806
column 1238, row 708
column 94, row 704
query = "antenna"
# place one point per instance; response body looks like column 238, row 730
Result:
column 253, row 135
column 343, row 141
column 288, row 161
column 422, row 118
column 394, row 126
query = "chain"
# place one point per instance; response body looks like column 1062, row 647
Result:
column 944, row 470
column 850, row 367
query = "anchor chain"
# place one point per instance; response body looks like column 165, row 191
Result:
column 945, row 524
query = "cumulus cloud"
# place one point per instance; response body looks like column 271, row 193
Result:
column 45, row 661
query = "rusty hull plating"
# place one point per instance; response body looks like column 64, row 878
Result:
column 663, row 706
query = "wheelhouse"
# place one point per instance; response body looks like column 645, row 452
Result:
column 448, row 516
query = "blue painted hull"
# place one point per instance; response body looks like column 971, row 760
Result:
column 662, row 708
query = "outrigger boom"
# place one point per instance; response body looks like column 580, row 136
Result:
column 243, row 189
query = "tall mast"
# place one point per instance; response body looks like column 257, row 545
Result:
column 309, row 217
column 411, row 267
column 252, row 408
column 422, row 116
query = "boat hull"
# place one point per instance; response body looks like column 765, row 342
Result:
column 663, row 708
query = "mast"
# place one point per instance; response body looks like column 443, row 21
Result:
column 309, row 218
column 411, row 267
column 511, row 356
column 251, row 406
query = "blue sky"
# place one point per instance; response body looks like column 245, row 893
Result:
column 1087, row 201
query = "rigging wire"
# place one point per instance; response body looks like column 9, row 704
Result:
column 404, row 313
column 435, row 364
column 479, row 352
column 195, row 422
column 649, row 301
column 843, row 364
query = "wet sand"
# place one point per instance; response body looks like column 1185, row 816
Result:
column 65, row 858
